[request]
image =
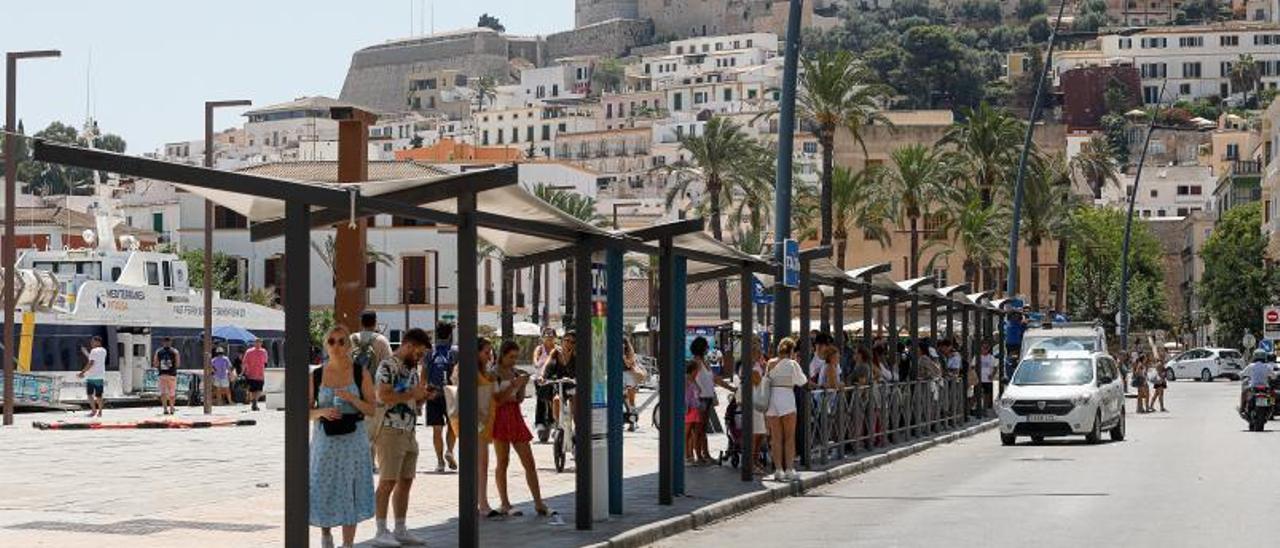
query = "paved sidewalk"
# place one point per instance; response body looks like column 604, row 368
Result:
column 224, row 487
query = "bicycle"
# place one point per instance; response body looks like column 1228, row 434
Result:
column 562, row 432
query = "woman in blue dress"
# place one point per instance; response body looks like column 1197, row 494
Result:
column 341, row 466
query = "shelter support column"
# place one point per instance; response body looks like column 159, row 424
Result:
column 468, row 350
column 667, row 376
column 614, row 296
column 806, row 351
column 508, row 319
column 748, row 366
column 297, row 422
column 582, row 404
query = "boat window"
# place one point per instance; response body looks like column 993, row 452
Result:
column 67, row 269
column 45, row 266
column 115, row 273
column 91, row 269
column 139, row 350
column 168, row 274
column 153, row 274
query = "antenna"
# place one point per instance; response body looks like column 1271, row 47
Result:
column 411, row 18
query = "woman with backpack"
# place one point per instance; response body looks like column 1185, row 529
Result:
column 341, row 484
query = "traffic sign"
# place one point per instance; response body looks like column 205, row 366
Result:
column 1267, row 346
column 1249, row 341
column 1271, row 322
column 759, row 294
column 790, row 263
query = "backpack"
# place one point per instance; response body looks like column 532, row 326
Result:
column 362, row 356
column 441, row 360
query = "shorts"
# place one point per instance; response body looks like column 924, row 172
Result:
column 255, row 385
column 221, row 383
column 168, row 386
column 708, row 409
column 436, row 411
column 629, row 379
column 397, row 452
column 93, row 387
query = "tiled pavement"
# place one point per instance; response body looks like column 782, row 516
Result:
column 224, row 487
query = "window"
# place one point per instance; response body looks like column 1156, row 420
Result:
column 810, row 147
column 1191, row 41
column 168, row 273
column 677, row 101
column 1191, row 70
column 1159, row 213
column 528, row 134
column 1154, row 43
column 1183, row 190
column 371, row 275
column 1233, row 151
column 1182, row 212
column 157, row 222
column 273, row 275
column 413, row 279
column 1184, row 89
column 728, row 94
column 1126, row 43
column 1228, row 40
column 546, row 132
column 1224, row 69
column 1153, row 70
column 751, row 94
column 1195, row 190
column 225, row 218
column 1150, row 94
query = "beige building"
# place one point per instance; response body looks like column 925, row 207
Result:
column 1269, row 154
column 943, row 258
column 1195, row 230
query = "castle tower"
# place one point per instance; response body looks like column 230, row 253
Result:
column 590, row 12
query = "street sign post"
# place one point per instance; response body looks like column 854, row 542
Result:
column 791, row 263
column 759, row 294
column 1271, row 323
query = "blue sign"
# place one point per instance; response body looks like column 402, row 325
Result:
column 1266, row 346
column 759, row 294
column 790, row 263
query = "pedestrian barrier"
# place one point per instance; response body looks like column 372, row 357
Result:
column 147, row 424
column 853, row 419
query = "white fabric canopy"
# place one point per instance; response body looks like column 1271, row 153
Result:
column 524, row 329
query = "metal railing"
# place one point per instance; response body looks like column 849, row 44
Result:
column 856, row 419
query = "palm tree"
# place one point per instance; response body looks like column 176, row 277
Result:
column 838, row 91
column 919, row 181
column 578, row 206
column 735, row 170
column 1095, row 164
column 980, row 230
column 327, row 250
column 859, row 205
column 804, row 211
column 1046, row 211
column 985, row 144
column 486, row 88
column 1245, row 75
column 607, row 76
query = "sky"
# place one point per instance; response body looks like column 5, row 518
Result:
column 155, row 62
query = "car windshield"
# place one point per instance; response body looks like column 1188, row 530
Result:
column 1061, row 342
column 1059, row 372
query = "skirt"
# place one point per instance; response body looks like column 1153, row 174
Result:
column 509, row 426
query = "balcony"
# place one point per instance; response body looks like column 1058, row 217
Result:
column 1246, row 168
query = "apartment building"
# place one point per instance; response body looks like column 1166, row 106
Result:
column 1196, row 61
column 1269, row 154
column 1164, row 191
column 445, row 92
column 533, row 129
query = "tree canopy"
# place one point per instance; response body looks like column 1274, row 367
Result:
column 1236, row 283
column 1093, row 270
column 489, row 21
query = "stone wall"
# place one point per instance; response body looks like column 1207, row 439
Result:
column 613, row 38
column 378, row 76
column 590, row 12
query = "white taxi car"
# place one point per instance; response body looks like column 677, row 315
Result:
column 1063, row 393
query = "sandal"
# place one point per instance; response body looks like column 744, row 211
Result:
column 544, row 511
column 510, row 511
column 494, row 514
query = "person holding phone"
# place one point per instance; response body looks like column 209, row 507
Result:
column 510, row 430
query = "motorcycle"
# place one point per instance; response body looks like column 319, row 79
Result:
column 1260, row 405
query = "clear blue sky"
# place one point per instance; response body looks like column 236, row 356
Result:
column 155, row 62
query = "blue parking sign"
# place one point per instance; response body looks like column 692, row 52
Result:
column 790, row 263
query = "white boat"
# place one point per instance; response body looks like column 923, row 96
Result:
column 130, row 298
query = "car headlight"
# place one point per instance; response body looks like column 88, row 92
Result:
column 1081, row 399
column 1007, row 402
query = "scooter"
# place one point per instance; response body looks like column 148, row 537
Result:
column 1260, row 404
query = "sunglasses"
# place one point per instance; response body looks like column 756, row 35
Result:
column 338, row 341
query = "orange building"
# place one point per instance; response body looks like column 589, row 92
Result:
column 448, row 150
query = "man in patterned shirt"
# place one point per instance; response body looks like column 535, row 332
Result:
column 400, row 390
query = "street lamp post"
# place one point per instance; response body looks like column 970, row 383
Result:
column 782, row 189
column 1123, row 319
column 9, row 253
column 209, row 107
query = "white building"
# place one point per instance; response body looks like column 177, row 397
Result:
column 1165, row 191
column 1197, row 60
column 533, row 128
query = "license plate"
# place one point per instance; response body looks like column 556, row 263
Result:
column 1262, row 401
column 1042, row 418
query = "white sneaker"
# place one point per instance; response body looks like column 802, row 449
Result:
column 440, row 468
column 778, row 475
column 792, row 475
column 409, row 539
column 385, row 540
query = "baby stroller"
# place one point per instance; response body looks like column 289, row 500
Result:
column 733, row 430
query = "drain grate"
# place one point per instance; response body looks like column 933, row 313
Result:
column 140, row 527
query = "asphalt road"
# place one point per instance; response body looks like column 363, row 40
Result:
column 1191, row 477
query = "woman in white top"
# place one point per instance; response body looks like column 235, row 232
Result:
column 758, row 422
column 784, row 375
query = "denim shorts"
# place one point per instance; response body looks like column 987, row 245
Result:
column 93, row 387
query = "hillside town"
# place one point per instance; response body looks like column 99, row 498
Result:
column 861, row 229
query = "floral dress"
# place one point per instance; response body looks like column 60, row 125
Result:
column 341, row 470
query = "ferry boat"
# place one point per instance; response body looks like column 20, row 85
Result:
column 132, row 299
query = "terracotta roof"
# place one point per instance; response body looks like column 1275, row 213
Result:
column 326, row 171
column 66, row 218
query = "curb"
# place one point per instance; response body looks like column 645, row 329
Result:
column 717, row 511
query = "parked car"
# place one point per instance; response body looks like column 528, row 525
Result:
column 1063, row 393
column 1206, row 364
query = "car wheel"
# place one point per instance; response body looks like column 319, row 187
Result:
column 1168, row 374
column 1008, row 439
column 1095, row 435
column 1117, row 433
column 1205, row 376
